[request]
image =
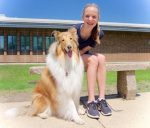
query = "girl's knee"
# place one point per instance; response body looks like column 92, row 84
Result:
column 101, row 58
column 93, row 60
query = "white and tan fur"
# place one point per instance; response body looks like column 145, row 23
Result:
column 58, row 91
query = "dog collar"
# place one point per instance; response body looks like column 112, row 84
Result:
column 67, row 73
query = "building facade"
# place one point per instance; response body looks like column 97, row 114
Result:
column 27, row 40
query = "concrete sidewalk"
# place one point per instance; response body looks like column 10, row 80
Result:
column 134, row 114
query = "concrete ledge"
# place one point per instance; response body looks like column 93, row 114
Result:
column 126, row 66
column 126, row 79
column 111, row 66
column 36, row 69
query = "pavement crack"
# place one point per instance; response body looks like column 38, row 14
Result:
column 103, row 126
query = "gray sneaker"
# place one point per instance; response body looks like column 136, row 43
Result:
column 92, row 110
column 103, row 107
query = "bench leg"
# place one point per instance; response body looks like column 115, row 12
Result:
column 126, row 84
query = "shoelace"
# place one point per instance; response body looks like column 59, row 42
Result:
column 93, row 105
column 104, row 103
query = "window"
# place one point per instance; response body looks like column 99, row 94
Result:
column 25, row 45
column 12, row 45
column 37, row 44
column 49, row 41
column 1, row 45
column 149, row 42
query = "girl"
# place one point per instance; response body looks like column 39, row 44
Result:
column 89, row 34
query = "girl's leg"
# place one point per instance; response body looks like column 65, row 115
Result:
column 101, row 75
column 91, row 63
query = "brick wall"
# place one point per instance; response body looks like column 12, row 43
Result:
column 125, row 46
column 116, row 45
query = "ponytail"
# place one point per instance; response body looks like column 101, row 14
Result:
column 95, row 34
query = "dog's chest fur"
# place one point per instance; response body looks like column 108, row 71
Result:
column 68, row 73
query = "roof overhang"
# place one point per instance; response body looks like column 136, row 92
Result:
column 110, row 26
column 64, row 24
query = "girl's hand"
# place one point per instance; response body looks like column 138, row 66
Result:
column 84, row 50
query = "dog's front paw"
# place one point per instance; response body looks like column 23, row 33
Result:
column 43, row 115
column 79, row 121
column 81, row 111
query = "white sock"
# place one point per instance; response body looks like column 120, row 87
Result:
column 91, row 101
column 101, row 98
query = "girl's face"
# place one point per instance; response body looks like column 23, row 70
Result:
column 90, row 17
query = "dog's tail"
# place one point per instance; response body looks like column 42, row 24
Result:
column 14, row 112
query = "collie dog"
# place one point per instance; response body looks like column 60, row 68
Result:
column 58, row 91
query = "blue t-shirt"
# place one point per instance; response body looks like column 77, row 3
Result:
column 88, row 42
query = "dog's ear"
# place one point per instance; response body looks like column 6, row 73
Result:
column 73, row 30
column 55, row 34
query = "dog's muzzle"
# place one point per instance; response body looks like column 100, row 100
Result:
column 69, row 51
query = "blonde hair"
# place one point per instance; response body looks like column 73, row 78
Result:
column 96, row 30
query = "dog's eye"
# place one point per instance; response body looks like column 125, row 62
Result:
column 70, row 38
column 62, row 40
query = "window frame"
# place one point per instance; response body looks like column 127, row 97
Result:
column 13, row 42
column 26, row 44
column 3, row 45
column 50, row 40
column 37, row 48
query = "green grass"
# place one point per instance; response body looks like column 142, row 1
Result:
column 143, row 80
column 110, row 81
column 17, row 78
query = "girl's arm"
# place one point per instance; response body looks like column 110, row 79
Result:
column 84, row 50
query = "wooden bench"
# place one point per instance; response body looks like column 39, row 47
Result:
column 126, row 79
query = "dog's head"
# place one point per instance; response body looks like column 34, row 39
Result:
column 67, row 42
